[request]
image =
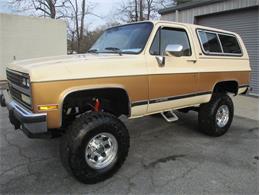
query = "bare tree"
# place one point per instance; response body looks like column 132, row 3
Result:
column 139, row 10
column 76, row 14
column 46, row 8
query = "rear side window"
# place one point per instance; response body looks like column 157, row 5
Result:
column 230, row 44
column 219, row 43
column 210, row 42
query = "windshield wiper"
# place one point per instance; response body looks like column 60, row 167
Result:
column 93, row 51
column 114, row 49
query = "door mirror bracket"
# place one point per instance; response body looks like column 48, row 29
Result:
column 160, row 60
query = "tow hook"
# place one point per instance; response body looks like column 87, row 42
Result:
column 2, row 100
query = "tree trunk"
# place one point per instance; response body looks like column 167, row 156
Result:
column 72, row 41
column 136, row 10
column 81, row 27
column 149, row 9
column 77, row 25
column 82, row 19
column 52, row 8
column 141, row 10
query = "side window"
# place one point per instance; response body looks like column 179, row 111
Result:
column 170, row 36
column 155, row 48
column 230, row 44
column 210, row 42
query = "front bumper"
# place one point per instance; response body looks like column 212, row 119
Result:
column 33, row 125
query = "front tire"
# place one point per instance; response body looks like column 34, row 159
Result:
column 215, row 117
column 94, row 147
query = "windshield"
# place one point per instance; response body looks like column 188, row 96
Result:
column 123, row 39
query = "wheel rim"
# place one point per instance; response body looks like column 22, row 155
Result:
column 101, row 151
column 222, row 116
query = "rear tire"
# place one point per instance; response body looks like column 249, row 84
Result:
column 215, row 117
column 94, row 147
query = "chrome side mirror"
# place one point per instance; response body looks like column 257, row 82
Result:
column 174, row 50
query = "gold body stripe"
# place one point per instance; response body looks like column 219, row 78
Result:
column 137, row 87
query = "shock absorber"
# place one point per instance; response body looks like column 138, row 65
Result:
column 97, row 106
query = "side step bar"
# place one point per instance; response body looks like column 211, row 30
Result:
column 170, row 116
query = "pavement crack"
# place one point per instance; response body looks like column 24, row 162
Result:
column 163, row 160
column 253, row 129
column 12, row 168
column 18, row 148
column 27, row 165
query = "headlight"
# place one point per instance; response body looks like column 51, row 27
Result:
column 26, row 99
column 26, row 82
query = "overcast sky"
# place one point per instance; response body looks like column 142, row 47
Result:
column 104, row 8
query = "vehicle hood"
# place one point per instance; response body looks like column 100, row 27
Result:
column 77, row 66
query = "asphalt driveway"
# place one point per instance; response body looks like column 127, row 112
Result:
column 164, row 158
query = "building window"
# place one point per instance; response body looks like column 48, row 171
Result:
column 229, row 44
column 210, row 42
column 170, row 36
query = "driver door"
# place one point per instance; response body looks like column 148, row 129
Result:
column 172, row 84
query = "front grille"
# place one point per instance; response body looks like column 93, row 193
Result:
column 16, row 78
column 16, row 87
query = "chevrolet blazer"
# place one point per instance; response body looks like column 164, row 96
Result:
column 134, row 70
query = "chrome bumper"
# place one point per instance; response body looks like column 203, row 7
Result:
column 33, row 125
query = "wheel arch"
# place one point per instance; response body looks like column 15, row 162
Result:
column 230, row 86
column 66, row 93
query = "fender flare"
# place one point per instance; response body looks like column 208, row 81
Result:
column 222, row 81
column 71, row 90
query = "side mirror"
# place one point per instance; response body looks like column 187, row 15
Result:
column 174, row 50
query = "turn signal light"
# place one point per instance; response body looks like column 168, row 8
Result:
column 47, row 107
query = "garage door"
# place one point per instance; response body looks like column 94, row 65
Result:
column 246, row 23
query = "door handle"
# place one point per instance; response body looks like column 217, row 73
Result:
column 193, row 61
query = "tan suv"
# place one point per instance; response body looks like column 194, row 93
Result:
column 133, row 70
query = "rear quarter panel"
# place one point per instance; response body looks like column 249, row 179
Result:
column 214, row 69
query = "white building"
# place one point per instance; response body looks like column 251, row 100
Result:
column 23, row 37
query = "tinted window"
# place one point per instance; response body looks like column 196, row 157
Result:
column 230, row 44
column 210, row 42
column 168, row 37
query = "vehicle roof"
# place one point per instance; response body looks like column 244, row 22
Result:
column 193, row 26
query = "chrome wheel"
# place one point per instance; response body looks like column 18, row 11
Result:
column 101, row 151
column 222, row 116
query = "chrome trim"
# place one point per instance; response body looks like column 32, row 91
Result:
column 171, row 98
column 25, row 91
column 19, row 73
column 21, row 89
column 220, row 43
column 222, row 116
column 101, row 151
